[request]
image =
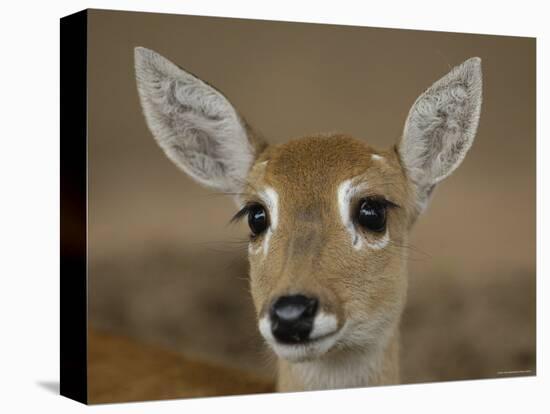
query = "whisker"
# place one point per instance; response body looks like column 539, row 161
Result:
column 225, row 246
column 411, row 248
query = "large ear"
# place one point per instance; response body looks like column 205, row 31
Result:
column 441, row 127
column 196, row 126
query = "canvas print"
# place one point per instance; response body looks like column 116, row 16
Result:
column 283, row 206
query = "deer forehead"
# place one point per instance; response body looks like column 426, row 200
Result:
column 313, row 180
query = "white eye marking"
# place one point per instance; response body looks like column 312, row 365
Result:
column 324, row 324
column 345, row 193
column 252, row 250
column 271, row 199
column 380, row 243
column 377, row 157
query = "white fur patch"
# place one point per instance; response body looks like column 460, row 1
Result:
column 377, row 157
column 298, row 352
column 346, row 191
column 380, row 243
column 271, row 200
column 252, row 250
column 265, row 329
column 324, row 324
column 344, row 194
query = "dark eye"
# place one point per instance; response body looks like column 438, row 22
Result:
column 372, row 215
column 257, row 219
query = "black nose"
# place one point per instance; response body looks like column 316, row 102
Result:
column 292, row 318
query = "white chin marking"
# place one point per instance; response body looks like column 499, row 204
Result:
column 305, row 352
column 324, row 336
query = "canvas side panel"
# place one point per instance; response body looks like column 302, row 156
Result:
column 73, row 185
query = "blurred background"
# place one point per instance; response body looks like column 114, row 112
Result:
column 167, row 274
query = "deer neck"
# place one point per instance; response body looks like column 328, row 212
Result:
column 376, row 365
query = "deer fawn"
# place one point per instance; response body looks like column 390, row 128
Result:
column 328, row 215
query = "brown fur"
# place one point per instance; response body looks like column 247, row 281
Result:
column 310, row 252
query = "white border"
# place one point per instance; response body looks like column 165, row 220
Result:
column 29, row 219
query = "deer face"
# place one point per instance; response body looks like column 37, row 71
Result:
column 328, row 218
column 328, row 215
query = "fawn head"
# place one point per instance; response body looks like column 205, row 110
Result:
column 329, row 215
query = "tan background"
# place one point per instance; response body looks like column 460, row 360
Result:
column 166, row 269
